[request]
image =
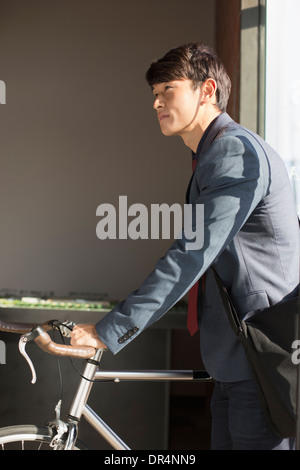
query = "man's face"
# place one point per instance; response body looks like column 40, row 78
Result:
column 177, row 104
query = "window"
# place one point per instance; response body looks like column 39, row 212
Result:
column 282, row 110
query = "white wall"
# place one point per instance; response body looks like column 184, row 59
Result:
column 78, row 130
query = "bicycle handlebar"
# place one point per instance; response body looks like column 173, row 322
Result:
column 21, row 328
column 46, row 344
column 43, row 340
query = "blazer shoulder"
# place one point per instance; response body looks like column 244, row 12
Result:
column 226, row 147
column 229, row 160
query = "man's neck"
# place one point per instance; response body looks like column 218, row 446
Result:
column 193, row 137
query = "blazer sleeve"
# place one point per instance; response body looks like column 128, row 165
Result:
column 229, row 184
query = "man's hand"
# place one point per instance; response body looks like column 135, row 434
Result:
column 85, row 335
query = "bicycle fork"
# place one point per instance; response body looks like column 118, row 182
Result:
column 80, row 408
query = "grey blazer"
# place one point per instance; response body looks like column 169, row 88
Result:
column 251, row 236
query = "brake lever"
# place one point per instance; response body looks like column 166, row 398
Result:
column 22, row 345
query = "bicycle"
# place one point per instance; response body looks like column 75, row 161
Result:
column 60, row 434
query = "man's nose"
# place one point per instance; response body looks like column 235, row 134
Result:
column 158, row 103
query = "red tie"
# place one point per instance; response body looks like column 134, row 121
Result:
column 192, row 316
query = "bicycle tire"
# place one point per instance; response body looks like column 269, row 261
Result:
column 29, row 437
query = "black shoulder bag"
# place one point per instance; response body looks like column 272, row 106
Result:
column 267, row 338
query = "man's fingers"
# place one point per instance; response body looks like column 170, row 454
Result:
column 85, row 335
column 78, row 335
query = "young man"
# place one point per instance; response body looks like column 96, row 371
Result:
column 251, row 237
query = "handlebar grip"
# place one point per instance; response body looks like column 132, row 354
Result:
column 20, row 328
column 46, row 344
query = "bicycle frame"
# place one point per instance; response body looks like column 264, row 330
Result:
column 80, row 408
column 65, row 432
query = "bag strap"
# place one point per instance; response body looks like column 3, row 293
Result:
column 231, row 312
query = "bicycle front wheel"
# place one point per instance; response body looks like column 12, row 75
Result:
column 27, row 437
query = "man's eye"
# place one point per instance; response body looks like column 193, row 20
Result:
column 167, row 87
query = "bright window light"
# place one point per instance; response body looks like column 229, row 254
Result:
column 283, row 85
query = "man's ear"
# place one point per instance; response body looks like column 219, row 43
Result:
column 208, row 91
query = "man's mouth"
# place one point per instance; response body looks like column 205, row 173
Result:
column 161, row 117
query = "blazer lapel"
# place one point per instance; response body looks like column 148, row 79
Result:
column 209, row 136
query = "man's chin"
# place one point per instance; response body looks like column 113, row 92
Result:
column 167, row 132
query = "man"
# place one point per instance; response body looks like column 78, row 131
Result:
column 251, row 238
